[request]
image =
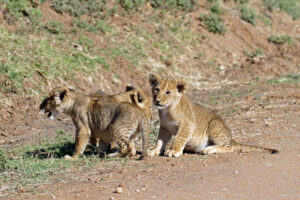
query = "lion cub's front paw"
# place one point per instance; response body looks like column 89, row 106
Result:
column 152, row 153
column 172, row 153
column 67, row 157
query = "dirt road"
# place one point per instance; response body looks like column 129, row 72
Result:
column 268, row 115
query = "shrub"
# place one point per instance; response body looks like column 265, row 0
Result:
column 292, row 7
column 255, row 53
column 283, row 39
column 213, row 23
column 248, row 14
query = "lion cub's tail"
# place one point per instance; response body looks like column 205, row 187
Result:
column 248, row 148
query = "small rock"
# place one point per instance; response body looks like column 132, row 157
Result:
column 112, row 198
column 78, row 47
column 137, row 190
column 119, row 190
column 205, row 164
column 256, row 60
column 22, row 190
column 123, row 171
column 236, row 172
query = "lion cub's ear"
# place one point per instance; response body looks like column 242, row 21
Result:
column 129, row 88
column 61, row 94
column 154, row 79
column 181, row 85
column 137, row 98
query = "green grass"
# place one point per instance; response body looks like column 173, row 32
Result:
column 283, row 39
column 254, row 53
column 292, row 7
column 25, row 58
column 42, row 163
column 213, row 23
column 248, row 14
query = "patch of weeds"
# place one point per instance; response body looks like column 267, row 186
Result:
column 248, row 14
column 213, row 23
column 78, row 8
column 131, row 5
column 15, row 10
column 283, row 39
column 242, row 1
column 31, row 165
column 54, row 27
column 292, row 7
column 264, row 19
column 185, row 5
column 154, row 132
column 255, row 53
column 290, row 78
column 217, row 9
column 99, row 25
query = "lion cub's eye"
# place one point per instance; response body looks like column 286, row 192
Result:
column 168, row 92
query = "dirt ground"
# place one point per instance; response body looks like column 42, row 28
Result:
column 268, row 117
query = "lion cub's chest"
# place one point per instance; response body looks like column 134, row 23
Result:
column 168, row 122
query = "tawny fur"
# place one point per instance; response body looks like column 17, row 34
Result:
column 131, row 95
column 194, row 127
column 102, row 118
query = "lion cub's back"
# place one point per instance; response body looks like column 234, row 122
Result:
column 203, row 116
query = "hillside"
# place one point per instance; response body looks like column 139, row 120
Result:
column 236, row 55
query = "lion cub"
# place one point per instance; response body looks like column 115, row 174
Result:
column 100, row 117
column 195, row 128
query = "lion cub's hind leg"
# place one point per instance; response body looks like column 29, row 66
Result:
column 219, row 138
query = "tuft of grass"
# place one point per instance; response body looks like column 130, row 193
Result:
column 78, row 8
column 290, row 78
column 184, row 5
column 292, row 7
column 264, row 19
column 54, row 27
column 255, row 53
column 283, row 39
column 248, row 14
column 31, row 165
column 213, row 23
column 217, row 9
column 99, row 25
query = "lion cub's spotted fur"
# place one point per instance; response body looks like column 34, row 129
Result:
column 101, row 117
column 194, row 127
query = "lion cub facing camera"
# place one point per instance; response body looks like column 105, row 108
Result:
column 194, row 127
column 101, row 117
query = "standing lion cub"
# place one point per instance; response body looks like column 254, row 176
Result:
column 102, row 117
column 195, row 128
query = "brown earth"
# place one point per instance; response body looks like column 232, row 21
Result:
column 257, row 113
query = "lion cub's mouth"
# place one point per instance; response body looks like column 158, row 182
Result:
column 51, row 115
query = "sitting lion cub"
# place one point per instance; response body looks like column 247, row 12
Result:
column 195, row 128
column 102, row 117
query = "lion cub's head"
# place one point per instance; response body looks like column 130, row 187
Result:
column 166, row 92
column 56, row 102
column 141, row 99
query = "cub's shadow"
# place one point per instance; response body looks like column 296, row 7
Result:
column 61, row 151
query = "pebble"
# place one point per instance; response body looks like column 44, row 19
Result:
column 112, row 198
column 119, row 190
column 22, row 190
column 137, row 190
column 236, row 172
